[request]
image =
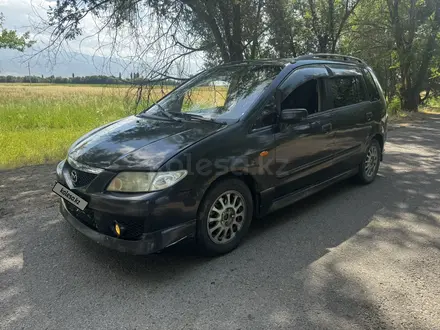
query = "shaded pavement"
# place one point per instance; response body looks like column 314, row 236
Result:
column 350, row 257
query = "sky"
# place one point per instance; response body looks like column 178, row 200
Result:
column 27, row 15
column 80, row 56
column 85, row 56
column 18, row 13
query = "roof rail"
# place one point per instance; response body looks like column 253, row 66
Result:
column 339, row 57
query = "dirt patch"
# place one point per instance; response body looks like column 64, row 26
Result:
column 409, row 119
column 27, row 188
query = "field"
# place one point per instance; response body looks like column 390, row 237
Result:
column 38, row 123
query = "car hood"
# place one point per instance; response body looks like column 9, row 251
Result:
column 137, row 143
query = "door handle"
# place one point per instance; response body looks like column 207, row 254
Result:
column 369, row 116
column 326, row 128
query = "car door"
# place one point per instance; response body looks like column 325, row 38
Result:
column 375, row 97
column 260, row 144
column 351, row 115
column 303, row 152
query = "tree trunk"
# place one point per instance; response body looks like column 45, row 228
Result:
column 410, row 100
column 256, row 31
column 409, row 96
column 209, row 17
column 236, row 50
column 331, row 27
column 323, row 42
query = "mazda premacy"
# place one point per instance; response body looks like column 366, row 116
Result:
column 233, row 143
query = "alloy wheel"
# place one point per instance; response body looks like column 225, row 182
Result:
column 371, row 161
column 226, row 217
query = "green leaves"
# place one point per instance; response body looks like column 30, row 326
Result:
column 10, row 39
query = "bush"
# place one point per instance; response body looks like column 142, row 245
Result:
column 434, row 102
column 394, row 106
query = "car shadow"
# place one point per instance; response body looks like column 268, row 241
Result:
column 272, row 230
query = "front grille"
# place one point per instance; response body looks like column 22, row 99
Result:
column 132, row 228
column 87, row 216
column 104, row 223
column 82, row 178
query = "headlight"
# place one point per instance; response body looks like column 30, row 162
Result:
column 145, row 181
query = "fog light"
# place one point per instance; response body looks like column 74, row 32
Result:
column 117, row 230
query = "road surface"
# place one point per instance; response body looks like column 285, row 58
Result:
column 350, row 257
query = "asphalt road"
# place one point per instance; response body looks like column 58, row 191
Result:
column 350, row 257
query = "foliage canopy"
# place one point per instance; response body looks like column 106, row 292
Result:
column 400, row 38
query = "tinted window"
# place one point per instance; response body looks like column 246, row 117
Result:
column 373, row 93
column 226, row 92
column 301, row 75
column 345, row 91
column 305, row 96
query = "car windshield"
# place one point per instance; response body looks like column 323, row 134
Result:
column 221, row 94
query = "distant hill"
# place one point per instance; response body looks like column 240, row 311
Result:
column 14, row 63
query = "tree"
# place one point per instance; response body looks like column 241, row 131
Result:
column 284, row 28
column 10, row 39
column 369, row 36
column 226, row 28
column 399, row 38
column 327, row 19
column 415, row 27
column 225, row 31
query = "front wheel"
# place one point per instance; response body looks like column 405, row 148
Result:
column 370, row 164
column 224, row 217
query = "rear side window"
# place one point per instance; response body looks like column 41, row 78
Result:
column 373, row 93
column 345, row 91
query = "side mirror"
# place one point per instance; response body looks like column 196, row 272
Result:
column 293, row 115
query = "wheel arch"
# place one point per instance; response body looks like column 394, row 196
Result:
column 379, row 138
column 246, row 177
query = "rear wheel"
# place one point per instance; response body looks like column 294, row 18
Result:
column 370, row 164
column 224, row 217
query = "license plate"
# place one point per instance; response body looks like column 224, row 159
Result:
column 69, row 196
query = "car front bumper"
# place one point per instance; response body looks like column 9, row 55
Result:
column 147, row 244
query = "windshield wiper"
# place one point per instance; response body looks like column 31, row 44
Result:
column 163, row 112
column 198, row 117
column 166, row 113
column 188, row 116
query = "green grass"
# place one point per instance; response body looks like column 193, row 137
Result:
column 396, row 113
column 433, row 105
column 38, row 123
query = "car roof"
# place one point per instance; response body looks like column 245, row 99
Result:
column 304, row 59
column 264, row 61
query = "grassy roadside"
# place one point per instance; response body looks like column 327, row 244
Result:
column 38, row 123
column 396, row 115
column 405, row 118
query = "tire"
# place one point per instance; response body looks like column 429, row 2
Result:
column 221, row 224
column 370, row 164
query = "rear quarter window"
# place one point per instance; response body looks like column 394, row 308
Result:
column 373, row 92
